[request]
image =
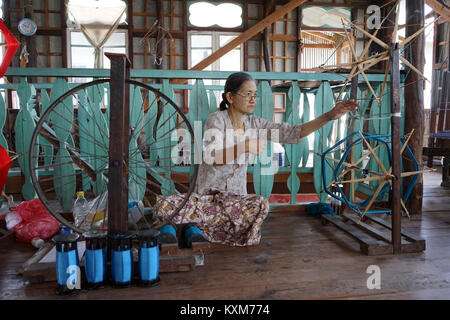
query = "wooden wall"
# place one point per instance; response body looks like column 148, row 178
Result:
column 48, row 48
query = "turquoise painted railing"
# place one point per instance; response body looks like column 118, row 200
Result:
column 202, row 102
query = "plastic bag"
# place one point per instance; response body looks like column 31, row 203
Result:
column 36, row 222
column 7, row 207
column 12, row 219
column 135, row 212
column 98, row 211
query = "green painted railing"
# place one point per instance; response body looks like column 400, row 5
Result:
column 202, row 102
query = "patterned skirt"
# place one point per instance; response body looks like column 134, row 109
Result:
column 224, row 218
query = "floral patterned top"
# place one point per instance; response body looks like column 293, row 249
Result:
column 219, row 134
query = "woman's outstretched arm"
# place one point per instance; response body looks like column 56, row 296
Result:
column 338, row 111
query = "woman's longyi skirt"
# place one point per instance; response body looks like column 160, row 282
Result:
column 223, row 218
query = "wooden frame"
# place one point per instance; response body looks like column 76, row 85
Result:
column 372, row 242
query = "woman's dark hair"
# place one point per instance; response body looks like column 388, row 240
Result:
column 233, row 84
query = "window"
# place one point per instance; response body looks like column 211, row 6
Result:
column 81, row 52
column 224, row 15
column 323, row 17
column 98, row 18
column 202, row 44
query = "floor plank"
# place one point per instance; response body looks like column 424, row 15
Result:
column 298, row 258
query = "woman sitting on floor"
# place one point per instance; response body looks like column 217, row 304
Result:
column 220, row 205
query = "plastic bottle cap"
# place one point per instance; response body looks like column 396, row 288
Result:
column 131, row 204
column 80, row 193
column 37, row 242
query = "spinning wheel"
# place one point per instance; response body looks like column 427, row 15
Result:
column 372, row 178
column 362, row 63
column 382, row 176
column 69, row 151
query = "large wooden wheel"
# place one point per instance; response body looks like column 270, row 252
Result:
column 69, row 152
column 371, row 176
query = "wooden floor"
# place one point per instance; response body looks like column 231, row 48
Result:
column 298, row 258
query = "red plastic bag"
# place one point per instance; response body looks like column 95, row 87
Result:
column 5, row 162
column 36, row 222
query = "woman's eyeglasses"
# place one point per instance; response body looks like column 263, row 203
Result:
column 248, row 95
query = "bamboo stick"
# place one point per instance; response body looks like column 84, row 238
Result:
column 413, row 68
column 395, row 32
column 404, row 208
column 403, row 43
column 375, row 195
column 375, row 156
column 378, row 41
column 378, row 178
column 353, row 63
column 412, row 173
column 358, row 161
column 386, row 74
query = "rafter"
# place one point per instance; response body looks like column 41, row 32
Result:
column 439, row 8
column 319, row 35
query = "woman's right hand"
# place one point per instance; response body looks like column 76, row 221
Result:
column 255, row 146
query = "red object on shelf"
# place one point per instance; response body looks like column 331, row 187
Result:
column 5, row 162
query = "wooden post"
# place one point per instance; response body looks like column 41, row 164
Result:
column 414, row 99
column 395, row 143
column 268, row 8
column 349, row 188
column 63, row 33
column 130, row 19
column 299, row 39
column 160, row 41
column 30, row 42
column 118, row 144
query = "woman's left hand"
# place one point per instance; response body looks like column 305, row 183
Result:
column 342, row 108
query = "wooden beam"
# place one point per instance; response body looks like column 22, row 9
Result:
column 318, row 46
column 441, row 9
column 395, row 146
column 269, row 6
column 299, row 39
column 319, row 35
column 246, row 35
column 63, row 34
column 414, row 98
column 118, row 149
column 130, row 48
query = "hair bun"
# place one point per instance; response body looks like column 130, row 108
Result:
column 223, row 106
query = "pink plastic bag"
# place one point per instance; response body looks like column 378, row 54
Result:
column 36, row 222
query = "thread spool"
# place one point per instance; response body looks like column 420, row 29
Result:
column 192, row 234
column 68, row 273
column 168, row 234
column 121, row 259
column 281, row 159
column 95, row 261
column 148, row 257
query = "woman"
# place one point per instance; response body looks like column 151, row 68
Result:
column 220, row 206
